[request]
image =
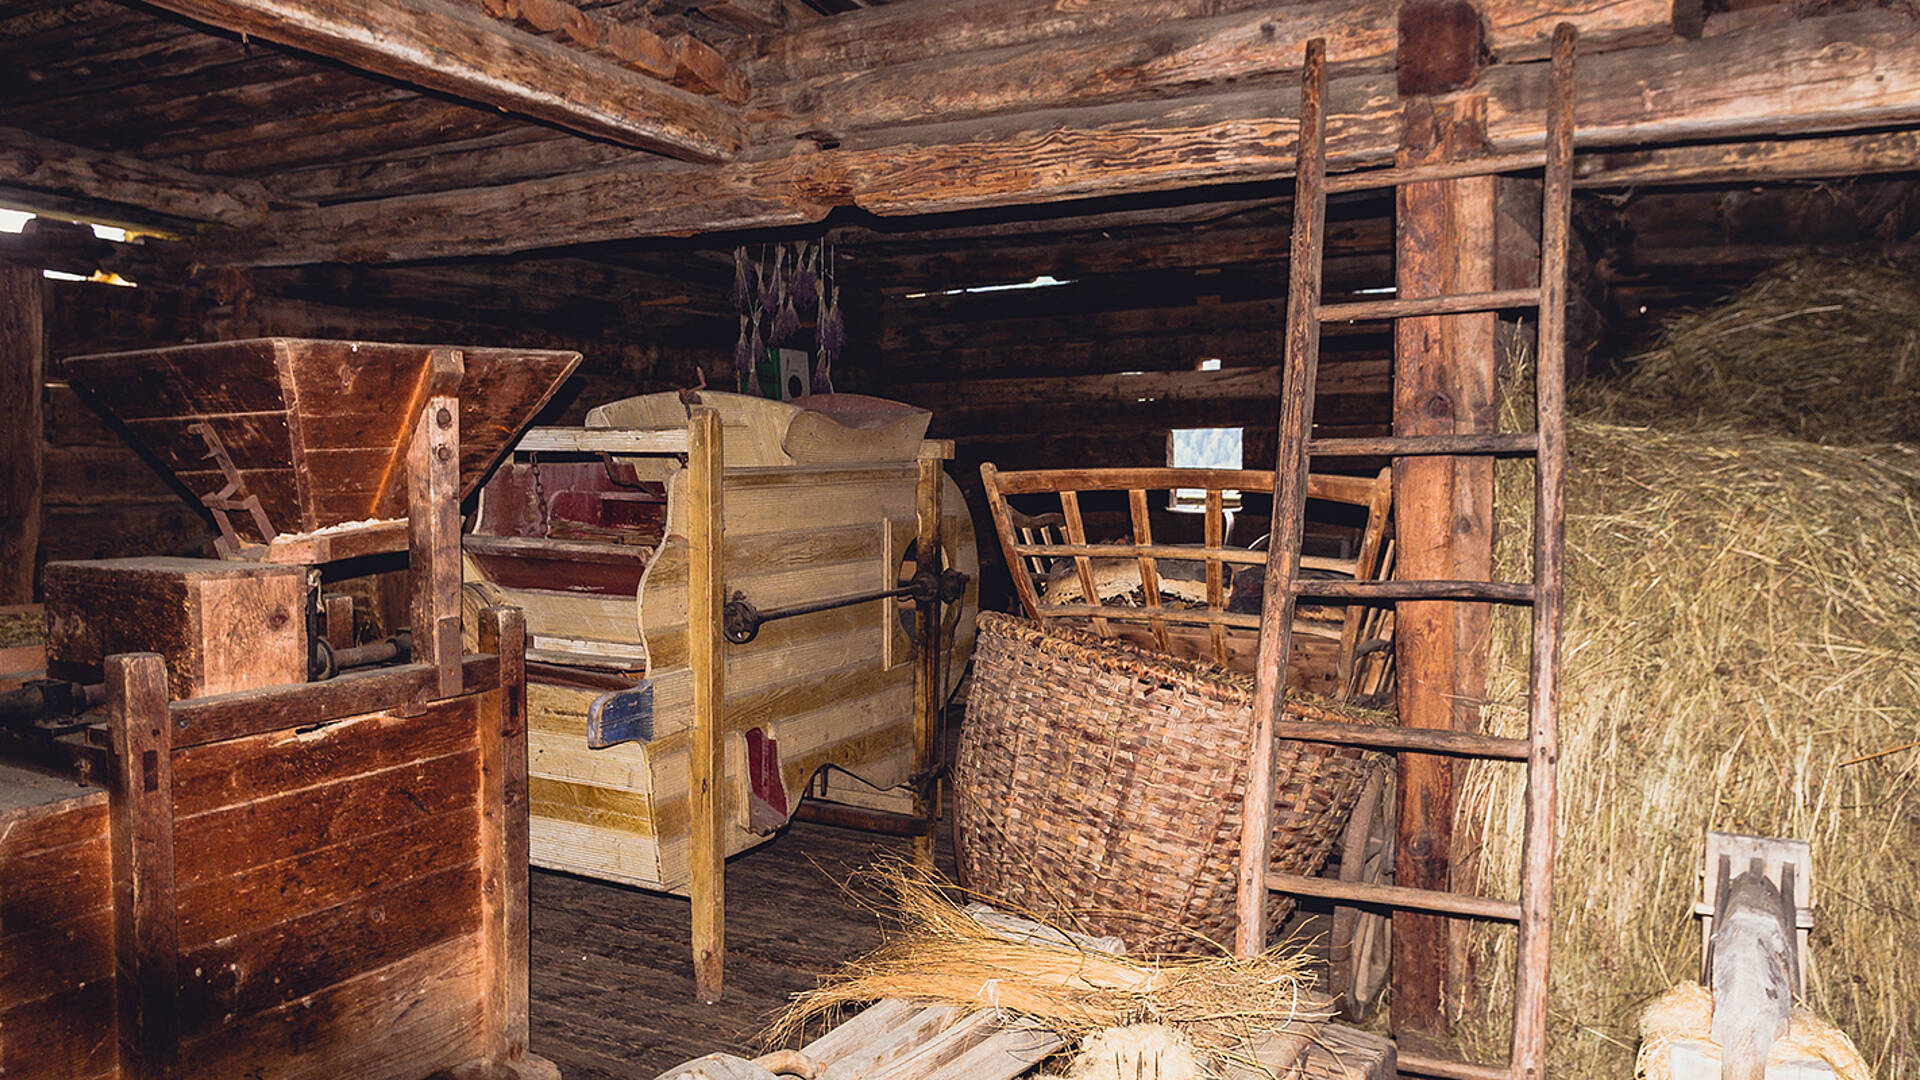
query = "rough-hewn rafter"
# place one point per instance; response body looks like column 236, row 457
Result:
column 35, row 163
column 458, row 50
column 1851, row 70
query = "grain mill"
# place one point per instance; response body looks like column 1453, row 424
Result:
column 297, row 868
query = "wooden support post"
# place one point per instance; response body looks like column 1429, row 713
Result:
column 22, row 370
column 707, row 851
column 926, row 674
column 433, row 519
column 145, row 918
column 1443, row 385
column 504, row 838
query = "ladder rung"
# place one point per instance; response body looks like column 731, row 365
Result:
column 1408, row 307
column 1450, row 1069
column 1375, row 179
column 1390, row 737
column 1425, row 445
column 1397, row 896
column 1503, row 592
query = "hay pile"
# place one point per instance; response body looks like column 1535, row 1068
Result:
column 21, row 628
column 1823, row 349
column 1741, row 638
column 941, row 955
column 1685, row 1014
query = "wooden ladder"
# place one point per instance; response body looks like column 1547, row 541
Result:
column 1305, row 315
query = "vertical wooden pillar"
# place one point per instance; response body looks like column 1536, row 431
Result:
column 504, row 839
column 926, row 675
column 433, row 519
column 1443, row 516
column 706, row 843
column 145, row 917
column 22, row 371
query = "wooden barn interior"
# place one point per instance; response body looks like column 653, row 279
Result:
column 1381, row 242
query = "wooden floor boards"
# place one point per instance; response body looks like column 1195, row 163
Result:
column 612, row 974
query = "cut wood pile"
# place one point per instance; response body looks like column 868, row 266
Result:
column 1743, row 617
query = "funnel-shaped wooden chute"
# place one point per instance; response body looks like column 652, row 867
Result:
column 316, row 431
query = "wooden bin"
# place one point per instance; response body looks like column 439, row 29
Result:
column 311, row 880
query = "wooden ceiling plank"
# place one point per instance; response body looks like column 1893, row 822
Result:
column 461, row 51
column 32, row 161
column 1849, row 70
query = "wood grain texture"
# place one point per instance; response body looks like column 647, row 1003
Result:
column 1834, row 72
column 1444, row 385
column 458, row 50
column 145, row 919
column 39, row 163
column 706, row 657
column 22, row 371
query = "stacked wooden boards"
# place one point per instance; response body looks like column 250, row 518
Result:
column 807, row 516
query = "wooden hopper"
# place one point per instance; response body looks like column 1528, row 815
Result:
column 285, row 438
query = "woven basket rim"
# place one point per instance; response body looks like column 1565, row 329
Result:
column 1199, row 676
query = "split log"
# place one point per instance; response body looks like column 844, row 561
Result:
column 42, row 164
column 459, row 51
column 902, row 34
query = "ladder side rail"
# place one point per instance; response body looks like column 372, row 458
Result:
column 1528, row 1059
column 1289, row 498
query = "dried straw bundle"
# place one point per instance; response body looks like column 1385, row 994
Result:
column 1823, row 349
column 1742, row 631
column 1685, row 1013
column 943, row 956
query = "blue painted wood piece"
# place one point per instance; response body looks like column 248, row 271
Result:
column 620, row 716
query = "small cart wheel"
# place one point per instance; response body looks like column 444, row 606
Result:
column 1361, row 938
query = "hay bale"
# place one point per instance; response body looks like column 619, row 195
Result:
column 1741, row 637
column 1820, row 348
column 1685, row 1014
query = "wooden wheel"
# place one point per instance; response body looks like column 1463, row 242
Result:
column 1361, row 938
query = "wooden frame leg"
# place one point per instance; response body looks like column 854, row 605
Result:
column 433, row 521
column 927, row 688
column 707, row 850
column 145, row 916
column 505, row 841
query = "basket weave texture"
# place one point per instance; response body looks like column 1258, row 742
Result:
column 1100, row 785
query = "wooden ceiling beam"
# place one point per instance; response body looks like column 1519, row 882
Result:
column 41, row 164
column 1162, row 56
column 1817, row 158
column 898, row 34
column 1828, row 73
column 459, row 50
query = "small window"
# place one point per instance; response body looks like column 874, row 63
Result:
column 1205, row 448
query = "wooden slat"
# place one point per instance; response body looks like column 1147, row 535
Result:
column 1416, row 740
column 1378, row 179
column 1076, row 529
column 1505, row 592
column 433, row 520
column 199, row 721
column 1449, row 1069
column 23, row 357
column 707, row 847
column 1215, row 537
column 1447, row 903
column 1289, row 500
column 1149, row 579
column 990, row 478
column 1415, row 306
column 603, row 440
column 459, row 51
column 1424, row 445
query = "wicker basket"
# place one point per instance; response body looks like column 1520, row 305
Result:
column 1100, row 785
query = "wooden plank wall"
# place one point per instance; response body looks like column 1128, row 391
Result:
column 56, row 941
column 317, row 876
